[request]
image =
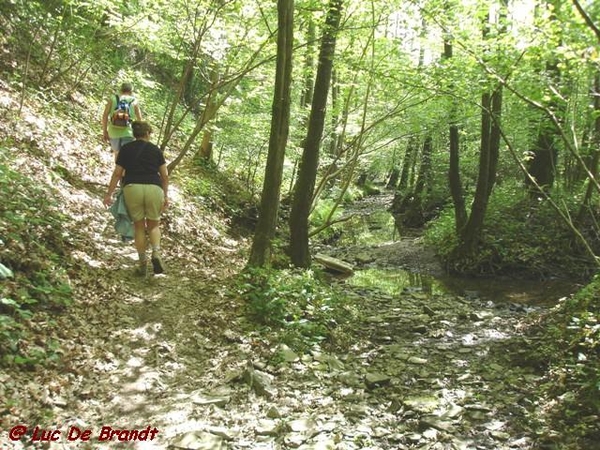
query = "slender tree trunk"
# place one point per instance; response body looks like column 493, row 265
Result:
column 425, row 169
column 305, row 183
column 542, row 165
column 408, row 165
column 488, row 162
column 454, row 178
column 456, row 190
column 260, row 253
column 491, row 108
column 393, row 178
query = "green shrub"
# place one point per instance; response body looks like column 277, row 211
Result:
column 295, row 303
column 521, row 236
column 35, row 249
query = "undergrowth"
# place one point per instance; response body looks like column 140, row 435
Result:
column 521, row 237
column 297, row 305
column 568, row 347
column 220, row 192
column 34, row 248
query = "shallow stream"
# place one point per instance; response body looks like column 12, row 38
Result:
column 392, row 263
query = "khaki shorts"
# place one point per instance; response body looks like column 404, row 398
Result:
column 144, row 201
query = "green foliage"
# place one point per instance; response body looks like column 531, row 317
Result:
column 521, row 237
column 321, row 213
column 297, row 304
column 34, row 250
column 218, row 191
column 571, row 333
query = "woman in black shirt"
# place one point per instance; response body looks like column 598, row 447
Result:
column 143, row 169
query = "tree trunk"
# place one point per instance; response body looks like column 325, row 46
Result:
column 542, row 165
column 424, row 176
column 408, row 165
column 260, row 253
column 454, row 179
column 488, row 162
column 491, row 109
column 393, row 178
column 206, row 147
column 307, row 174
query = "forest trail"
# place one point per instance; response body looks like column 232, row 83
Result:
column 175, row 353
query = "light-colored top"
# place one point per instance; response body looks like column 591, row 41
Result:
column 111, row 105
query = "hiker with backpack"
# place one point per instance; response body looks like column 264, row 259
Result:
column 142, row 166
column 120, row 110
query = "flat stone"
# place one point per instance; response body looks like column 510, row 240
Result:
column 416, row 360
column 437, row 423
column 267, row 427
column 421, row 329
column 260, row 382
column 198, row 440
column 287, row 354
column 424, row 404
column 273, row 413
column 206, row 399
column 375, row 380
column 334, row 264
column 301, row 425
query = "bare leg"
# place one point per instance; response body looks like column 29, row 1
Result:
column 154, row 232
column 154, row 236
column 140, row 237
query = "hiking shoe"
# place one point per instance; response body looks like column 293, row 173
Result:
column 141, row 269
column 157, row 264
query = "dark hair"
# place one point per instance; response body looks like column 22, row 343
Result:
column 141, row 129
column 126, row 88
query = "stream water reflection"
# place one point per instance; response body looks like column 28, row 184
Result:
column 497, row 290
column 372, row 232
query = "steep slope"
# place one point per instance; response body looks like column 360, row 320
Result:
column 66, row 359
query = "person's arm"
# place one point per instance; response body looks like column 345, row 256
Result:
column 164, row 179
column 105, row 120
column 116, row 176
column 138, row 111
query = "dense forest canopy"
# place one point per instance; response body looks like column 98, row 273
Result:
column 479, row 118
column 456, row 105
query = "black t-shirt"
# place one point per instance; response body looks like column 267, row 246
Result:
column 141, row 160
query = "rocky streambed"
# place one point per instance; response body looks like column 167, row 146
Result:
column 425, row 371
column 436, row 363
